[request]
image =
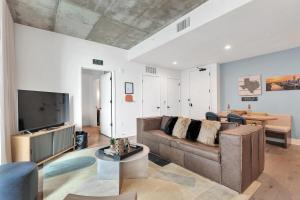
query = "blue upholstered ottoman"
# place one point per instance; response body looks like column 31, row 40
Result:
column 19, row 181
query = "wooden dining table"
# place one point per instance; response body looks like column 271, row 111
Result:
column 261, row 118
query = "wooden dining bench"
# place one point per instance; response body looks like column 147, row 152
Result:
column 278, row 132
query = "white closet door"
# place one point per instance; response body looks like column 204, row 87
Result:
column 105, row 104
column 173, row 97
column 199, row 90
column 151, row 96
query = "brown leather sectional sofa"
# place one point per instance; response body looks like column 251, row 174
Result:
column 235, row 163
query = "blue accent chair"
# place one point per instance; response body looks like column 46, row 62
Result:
column 212, row 116
column 19, row 181
column 236, row 118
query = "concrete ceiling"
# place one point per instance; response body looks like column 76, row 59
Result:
column 120, row 23
column 257, row 28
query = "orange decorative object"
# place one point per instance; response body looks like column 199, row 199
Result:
column 128, row 98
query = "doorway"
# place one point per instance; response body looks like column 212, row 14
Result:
column 97, row 93
column 151, row 96
column 199, row 93
column 173, row 97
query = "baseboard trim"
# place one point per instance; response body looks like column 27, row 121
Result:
column 295, row 141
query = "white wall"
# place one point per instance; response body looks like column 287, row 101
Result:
column 214, row 88
column 135, row 76
column 50, row 61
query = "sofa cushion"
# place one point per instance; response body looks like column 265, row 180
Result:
column 193, row 130
column 164, row 122
column 170, row 125
column 281, row 129
column 208, row 132
column 158, row 136
column 205, row 151
column 181, row 127
column 205, row 167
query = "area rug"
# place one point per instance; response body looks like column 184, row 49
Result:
column 170, row 182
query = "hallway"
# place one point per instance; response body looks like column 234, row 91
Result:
column 95, row 138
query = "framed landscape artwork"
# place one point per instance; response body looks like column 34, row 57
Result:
column 287, row 82
column 250, row 85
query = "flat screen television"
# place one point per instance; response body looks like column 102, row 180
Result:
column 40, row 110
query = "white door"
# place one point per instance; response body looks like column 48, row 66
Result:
column 105, row 104
column 173, row 97
column 151, row 96
column 199, row 90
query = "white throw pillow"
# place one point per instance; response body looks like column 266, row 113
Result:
column 181, row 127
column 208, row 132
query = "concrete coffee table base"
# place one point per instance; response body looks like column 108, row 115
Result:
column 135, row 166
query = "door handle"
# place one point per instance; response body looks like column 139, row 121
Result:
column 158, row 107
column 191, row 105
column 168, row 107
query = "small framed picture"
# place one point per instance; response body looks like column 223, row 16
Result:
column 129, row 88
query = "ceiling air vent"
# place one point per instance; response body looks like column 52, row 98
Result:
column 183, row 24
column 150, row 70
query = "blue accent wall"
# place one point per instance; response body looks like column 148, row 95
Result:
column 280, row 63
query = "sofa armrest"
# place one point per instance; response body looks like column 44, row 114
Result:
column 228, row 125
column 242, row 156
column 147, row 124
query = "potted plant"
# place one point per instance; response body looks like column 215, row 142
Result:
column 112, row 143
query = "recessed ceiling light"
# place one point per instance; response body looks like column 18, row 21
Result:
column 174, row 63
column 227, row 47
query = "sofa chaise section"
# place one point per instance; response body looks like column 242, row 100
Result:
column 242, row 156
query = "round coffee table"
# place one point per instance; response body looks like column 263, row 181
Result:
column 135, row 166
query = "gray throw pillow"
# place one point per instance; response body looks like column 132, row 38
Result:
column 164, row 122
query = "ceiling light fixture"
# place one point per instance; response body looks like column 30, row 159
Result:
column 174, row 63
column 227, row 47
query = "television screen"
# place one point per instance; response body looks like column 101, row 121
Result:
column 39, row 110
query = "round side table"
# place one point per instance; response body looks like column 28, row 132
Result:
column 135, row 166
